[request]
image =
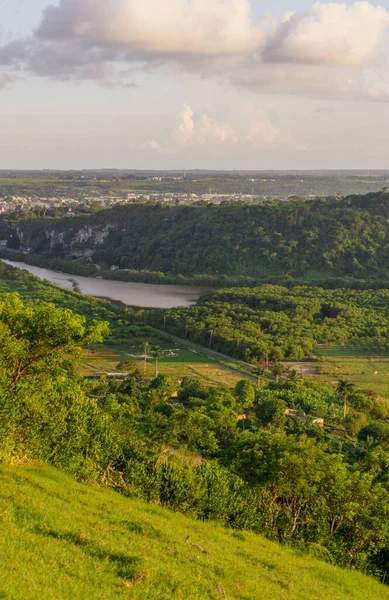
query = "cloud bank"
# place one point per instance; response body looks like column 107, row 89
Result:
column 329, row 34
column 171, row 27
column 327, row 49
column 209, row 134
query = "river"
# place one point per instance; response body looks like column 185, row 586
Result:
column 144, row 295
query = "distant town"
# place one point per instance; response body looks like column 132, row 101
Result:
column 16, row 203
column 74, row 192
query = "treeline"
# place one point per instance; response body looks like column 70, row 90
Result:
column 233, row 456
column 311, row 240
column 276, row 323
column 91, row 270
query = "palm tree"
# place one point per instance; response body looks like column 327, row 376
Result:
column 277, row 371
column 146, row 353
column 157, row 354
column 294, row 377
column 259, row 372
column 345, row 389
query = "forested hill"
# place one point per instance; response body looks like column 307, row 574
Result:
column 311, row 239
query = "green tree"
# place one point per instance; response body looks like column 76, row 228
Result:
column 157, row 355
column 146, row 354
column 344, row 390
column 271, row 412
column 294, row 377
column 38, row 340
column 44, row 411
column 259, row 372
column 192, row 389
column 277, row 371
column 377, row 432
column 165, row 386
column 125, row 366
column 244, row 393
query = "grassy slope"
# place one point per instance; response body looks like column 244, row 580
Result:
column 63, row 540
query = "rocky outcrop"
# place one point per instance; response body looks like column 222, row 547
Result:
column 72, row 242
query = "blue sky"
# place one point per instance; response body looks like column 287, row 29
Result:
column 107, row 93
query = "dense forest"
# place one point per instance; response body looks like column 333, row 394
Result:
column 276, row 323
column 311, row 240
column 214, row 453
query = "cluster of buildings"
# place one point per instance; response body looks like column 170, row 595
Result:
column 189, row 198
column 15, row 203
column 25, row 203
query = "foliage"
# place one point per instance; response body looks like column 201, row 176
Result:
column 233, row 456
column 123, row 322
column 277, row 323
column 320, row 239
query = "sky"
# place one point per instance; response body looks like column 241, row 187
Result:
column 185, row 84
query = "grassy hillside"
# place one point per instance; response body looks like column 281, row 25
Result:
column 61, row 540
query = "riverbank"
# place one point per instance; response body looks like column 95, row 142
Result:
column 150, row 277
column 312, row 279
column 128, row 329
column 139, row 295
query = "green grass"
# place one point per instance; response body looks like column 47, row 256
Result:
column 177, row 361
column 368, row 369
column 60, row 540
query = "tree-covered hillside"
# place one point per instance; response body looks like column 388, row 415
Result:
column 252, row 457
column 313, row 239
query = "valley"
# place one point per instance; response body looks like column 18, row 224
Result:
column 257, row 406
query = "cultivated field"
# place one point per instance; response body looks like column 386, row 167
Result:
column 366, row 368
column 176, row 361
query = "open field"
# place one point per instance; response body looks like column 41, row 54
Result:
column 366, row 368
column 63, row 541
column 176, row 361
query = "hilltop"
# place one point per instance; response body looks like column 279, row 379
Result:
column 66, row 540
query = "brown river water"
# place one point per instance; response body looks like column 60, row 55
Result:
column 144, row 295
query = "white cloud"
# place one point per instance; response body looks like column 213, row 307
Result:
column 162, row 27
column 203, row 131
column 370, row 84
column 154, row 146
column 209, row 30
column 185, row 131
column 329, row 34
column 262, row 132
column 328, row 49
